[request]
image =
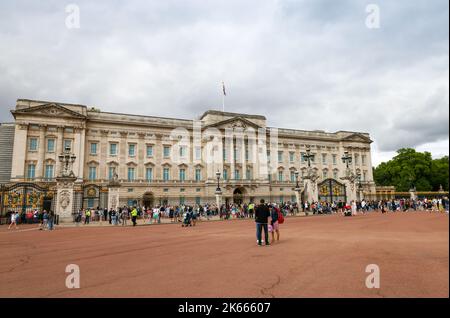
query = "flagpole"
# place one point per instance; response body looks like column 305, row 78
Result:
column 223, row 96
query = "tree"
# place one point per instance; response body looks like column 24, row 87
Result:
column 439, row 173
column 411, row 168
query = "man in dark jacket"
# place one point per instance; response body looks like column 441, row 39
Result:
column 262, row 214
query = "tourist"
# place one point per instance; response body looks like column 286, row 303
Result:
column 41, row 220
column 78, row 217
column 171, row 215
column 194, row 215
column 14, row 217
column 51, row 220
column 363, row 206
column 262, row 214
column 123, row 217
column 155, row 215
column 113, row 217
column 274, row 224
column 148, row 216
column 353, row 204
column 45, row 220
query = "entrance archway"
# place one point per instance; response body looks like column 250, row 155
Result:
column 148, row 200
column 238, row 195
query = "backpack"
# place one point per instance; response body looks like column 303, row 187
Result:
column 280, row 217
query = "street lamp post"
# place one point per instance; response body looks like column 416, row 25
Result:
column 297, row 191
column 311, row 175
column 218, row 192
column 349, row 175
column 347, row 159
column 65, row 186
column 297, row 186
column 358, row 178
column 308, row 155
column 67, row 159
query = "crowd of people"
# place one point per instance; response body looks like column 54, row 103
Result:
column 189, row 215
column 45, row 219
column 364, row 206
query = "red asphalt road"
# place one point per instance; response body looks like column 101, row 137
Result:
column 321, row 256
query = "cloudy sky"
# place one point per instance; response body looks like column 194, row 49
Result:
column 302, row 64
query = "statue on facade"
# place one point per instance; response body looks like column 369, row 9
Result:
column 115, row 178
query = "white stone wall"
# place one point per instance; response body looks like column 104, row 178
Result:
column 107, row 128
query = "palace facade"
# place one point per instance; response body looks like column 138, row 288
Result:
column 158, row 160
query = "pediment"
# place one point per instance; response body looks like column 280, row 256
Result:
column 51, row 109
column 357, row 138
column 235, row 122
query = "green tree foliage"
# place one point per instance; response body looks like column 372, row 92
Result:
column 410, row 167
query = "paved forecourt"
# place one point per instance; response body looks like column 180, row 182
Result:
column 323, row 256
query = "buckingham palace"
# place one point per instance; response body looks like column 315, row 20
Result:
column 150, row 160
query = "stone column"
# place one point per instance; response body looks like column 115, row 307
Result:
column 59, row 148
column 65, row 198
column 103, row 155
column 219, row 199
column 79, row 149
column 141, row 155
column 123, row 154
column 113, row 197
column 350, row 189
column 298, row 198
column 41, row 153
column 311, row 191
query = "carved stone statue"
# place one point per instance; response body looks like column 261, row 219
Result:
column 64, row 199
column 115, row 176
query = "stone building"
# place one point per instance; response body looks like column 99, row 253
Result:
column 174, row 161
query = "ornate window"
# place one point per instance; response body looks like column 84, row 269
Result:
column 166, row 151
column 132, row 150
column 149, row 174
column 182, row 174
column 49, row 171
column 280, row 175
column 51, row 145
column 198, row 174
column 292, row 156
column 67, row 144
column 92, row 173
column 166, row 174
column 248, row 174
column 113, row 149
column 149, row 151
column 33, row 144
column 94, row 148
column 131, row 174
column 31, row 171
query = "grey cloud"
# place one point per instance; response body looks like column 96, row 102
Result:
column 303, row 64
